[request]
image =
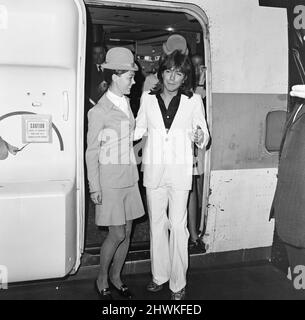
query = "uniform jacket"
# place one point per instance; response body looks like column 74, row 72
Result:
column 170, row 150
column 110, row 156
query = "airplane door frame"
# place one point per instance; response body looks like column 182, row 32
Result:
column 202, row 18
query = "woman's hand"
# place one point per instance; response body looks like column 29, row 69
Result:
column 96, row 197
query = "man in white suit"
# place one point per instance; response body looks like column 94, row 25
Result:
column 173, row 118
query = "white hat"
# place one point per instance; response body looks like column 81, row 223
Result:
column 175, row 42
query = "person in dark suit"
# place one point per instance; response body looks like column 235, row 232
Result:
column 96, row 85
column 289, row 200
column 195, row 198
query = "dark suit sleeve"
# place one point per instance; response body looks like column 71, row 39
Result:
column 95, row 126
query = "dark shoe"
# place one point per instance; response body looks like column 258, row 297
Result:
column 104, row 294
column 180, row 295
column 153, row 287
column 122, row 291
column 197, row 244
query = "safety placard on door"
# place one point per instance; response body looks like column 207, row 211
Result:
column 37, row 128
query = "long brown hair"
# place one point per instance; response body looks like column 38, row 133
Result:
column 180, row 62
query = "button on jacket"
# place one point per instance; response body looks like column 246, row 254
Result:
column 110, row 156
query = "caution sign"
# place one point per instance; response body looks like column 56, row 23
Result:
column 37, row 128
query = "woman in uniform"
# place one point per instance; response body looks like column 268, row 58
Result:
column 112, row 170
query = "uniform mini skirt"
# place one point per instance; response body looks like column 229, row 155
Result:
column 118, row 206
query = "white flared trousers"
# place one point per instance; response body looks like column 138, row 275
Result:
column 168, row 236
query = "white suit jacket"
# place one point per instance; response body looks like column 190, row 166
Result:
column 170, row 150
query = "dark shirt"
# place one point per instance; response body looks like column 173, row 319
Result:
column 169, row 114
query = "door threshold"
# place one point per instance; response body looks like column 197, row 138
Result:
column 139, row 262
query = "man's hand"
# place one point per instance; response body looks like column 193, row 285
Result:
column 12, row 149
column 96, row 197
column 5, row 148
column 198, row 135
column 298, row 91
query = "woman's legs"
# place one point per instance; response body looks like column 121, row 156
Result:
column 120, row 256
column 115, row 237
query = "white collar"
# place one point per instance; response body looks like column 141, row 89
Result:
column 115, row 99
column 119, row 102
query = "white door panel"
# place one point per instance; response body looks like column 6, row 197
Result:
column 42, row 83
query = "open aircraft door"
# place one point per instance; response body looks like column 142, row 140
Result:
column 41, row 108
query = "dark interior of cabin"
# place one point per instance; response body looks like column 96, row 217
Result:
column 143, row 32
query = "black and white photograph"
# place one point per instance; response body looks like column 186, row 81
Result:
column 152, row 151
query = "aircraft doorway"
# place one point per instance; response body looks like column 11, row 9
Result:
column 144, row 29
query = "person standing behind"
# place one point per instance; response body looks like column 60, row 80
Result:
column 112, row 170
column 289, row 201
column 195, row 198
column 172, row 117
column 199, row 73
column 151, row 80
column 96, row 85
